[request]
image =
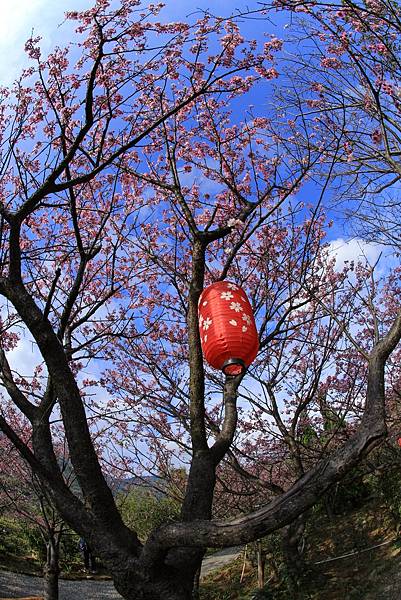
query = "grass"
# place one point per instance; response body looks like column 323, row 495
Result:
column 22, row 551
column 355, row 576
column 225, row 584
column 367, row 575
column 29, row 565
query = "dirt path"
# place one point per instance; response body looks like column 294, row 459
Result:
column 219, row 559
column 13, row 584
column 387, row 585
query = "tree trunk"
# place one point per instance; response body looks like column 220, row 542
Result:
column 168, row 584
column 329, row 501
column 291, row 549
column 195, row 592
column 164, row 568
column 173, row 575
column 261, row 565
column 51, row 571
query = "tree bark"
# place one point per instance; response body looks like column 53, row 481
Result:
column 164, row 568
column 195, row 591
column 261, row 565
column 292, row 537
column 51, row 571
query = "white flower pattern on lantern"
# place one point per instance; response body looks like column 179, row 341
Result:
column 233, row 322
column 236, row 306
column 232, row 286
column 226, row 295
column 205, row 339
column 206, row 323
column 247, row 319
column 204, row 303
column 244, row 329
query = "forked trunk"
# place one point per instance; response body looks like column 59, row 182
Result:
column 169, row 584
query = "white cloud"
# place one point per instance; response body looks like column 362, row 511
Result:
column 356, row 250
column 44, row 17
column 19, row 18
column 25, row 357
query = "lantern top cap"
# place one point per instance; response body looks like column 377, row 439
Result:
column 226, row 285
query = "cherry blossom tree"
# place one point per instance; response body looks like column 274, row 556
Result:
column 25, row 498
column 128, row 183
column 344, row 81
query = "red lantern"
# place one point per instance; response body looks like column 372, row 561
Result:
column 227, row 328
column 399, row 442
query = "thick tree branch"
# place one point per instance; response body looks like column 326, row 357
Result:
column 308, row 489
column 17, row 396
column 82, row 452
column 226, row 435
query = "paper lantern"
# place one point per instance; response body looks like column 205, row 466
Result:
column 399, row 442
column 227, row 328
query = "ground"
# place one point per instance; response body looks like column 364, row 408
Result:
column 17, row 584
column 371, row 572
column 354, row 556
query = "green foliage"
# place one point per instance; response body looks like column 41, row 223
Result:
column 269, row 593
column 309, row 436
column 15, row 537
column 380, row 479
column 225, row 584
column 142, row 511
column 367, row 503
column 387, row 485
column 21, row 540
column 70, row 558
column 36, row 543
column 350, row 493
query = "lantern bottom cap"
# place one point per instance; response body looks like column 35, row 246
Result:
column 233, row 367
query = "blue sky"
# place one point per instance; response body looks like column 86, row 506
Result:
column 46, row 18
column 19, row 18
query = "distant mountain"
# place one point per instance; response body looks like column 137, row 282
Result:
column 117, row 485
column 150, row 483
